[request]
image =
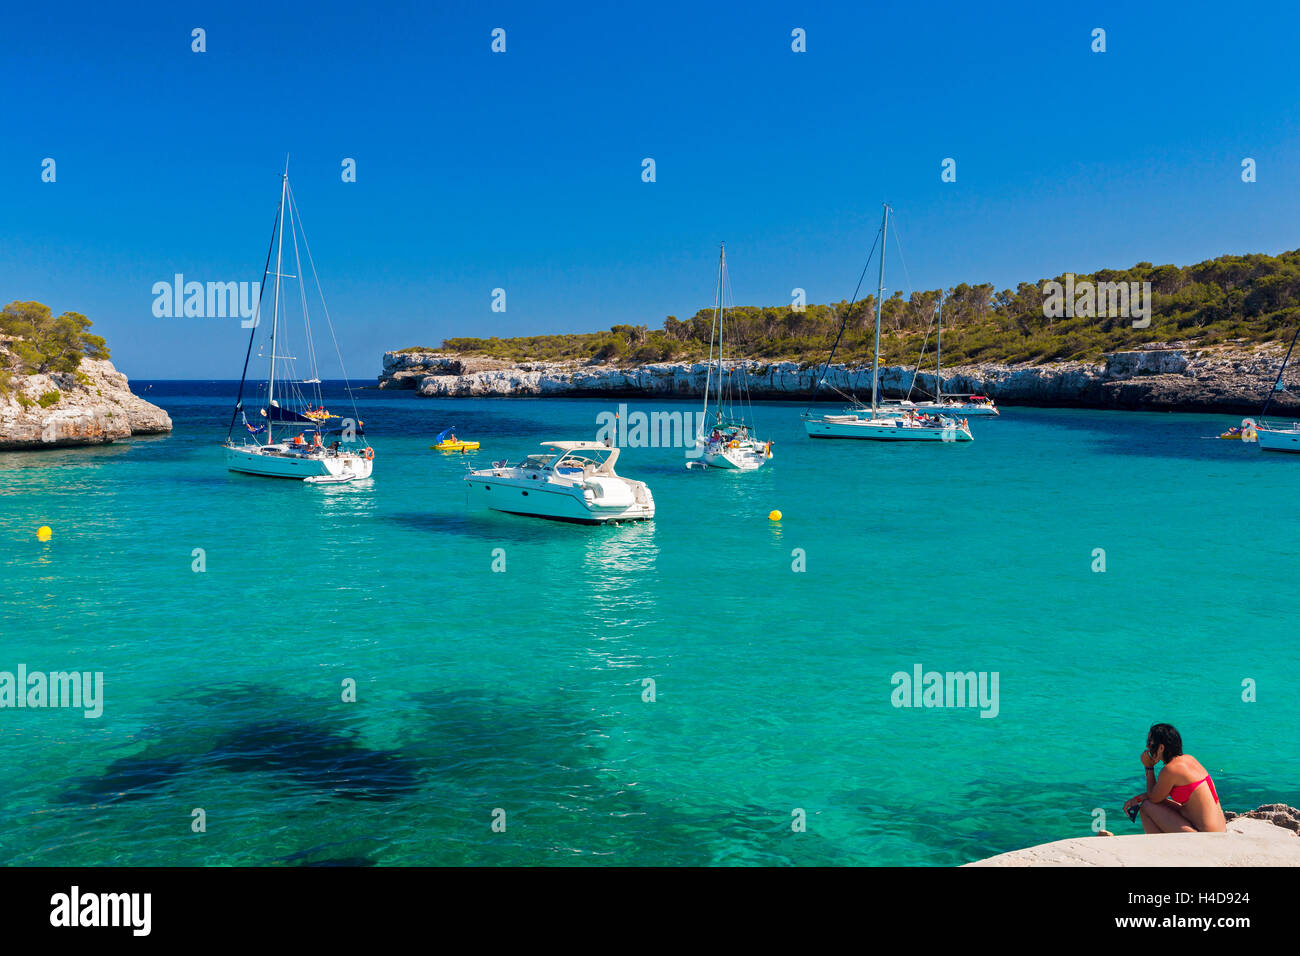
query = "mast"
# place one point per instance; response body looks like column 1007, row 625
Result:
column 880, row 301
column 1277, row 384
column 722, row 315
column 275, row 308
column 938, row 357
column 252, row 334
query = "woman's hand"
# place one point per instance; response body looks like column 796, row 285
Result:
column 1147, row 759
column 1134, row 801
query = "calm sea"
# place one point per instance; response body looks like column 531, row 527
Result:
column 520, row 695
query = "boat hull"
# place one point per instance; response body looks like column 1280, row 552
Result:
column 1278, row 439
column 964, row 411
column 747, row 456
column 948, row 410
column 538, row 500
column 864, row 429
column 252, row 460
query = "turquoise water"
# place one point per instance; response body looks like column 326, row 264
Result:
column 522, row 690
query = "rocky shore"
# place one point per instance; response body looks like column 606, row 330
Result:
column 91, row 406
column 1263, row 837
column 1166, row 379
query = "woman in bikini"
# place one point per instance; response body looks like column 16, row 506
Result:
column 1182, row 799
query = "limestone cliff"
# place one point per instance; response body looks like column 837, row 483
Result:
column 1218, row 379
column 91, row 406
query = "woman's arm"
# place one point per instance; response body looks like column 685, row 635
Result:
column 1157, row 788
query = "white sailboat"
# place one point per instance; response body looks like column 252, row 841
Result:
column 730, row 442
column 879, row 422
column 314, row 444
column 952, row 404
column 1275, row 435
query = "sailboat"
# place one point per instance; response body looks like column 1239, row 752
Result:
column 955, row 404
column 730, row 442
column 314, row 444
column 1275, row 436
column 877, row 422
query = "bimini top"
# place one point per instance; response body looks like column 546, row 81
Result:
column 581, row 454
column 577, row 445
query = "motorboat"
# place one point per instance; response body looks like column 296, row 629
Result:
column 571, row 481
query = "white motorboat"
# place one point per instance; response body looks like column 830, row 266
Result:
column 575, row 481
column 877, row 421
column 314, row 444
column 730, row 442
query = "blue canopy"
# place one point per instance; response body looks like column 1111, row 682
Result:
column 442, row 434
column 332, row 425
column 277, row 414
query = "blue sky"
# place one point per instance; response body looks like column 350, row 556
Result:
column 522, row 170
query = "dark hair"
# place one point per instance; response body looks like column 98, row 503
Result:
column 1166, row 734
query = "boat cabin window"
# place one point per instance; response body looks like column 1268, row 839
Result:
column 536, row 462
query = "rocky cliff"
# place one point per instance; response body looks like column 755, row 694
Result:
column 1220, row 379
column 91, row 406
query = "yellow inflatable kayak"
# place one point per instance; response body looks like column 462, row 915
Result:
column 456, row 445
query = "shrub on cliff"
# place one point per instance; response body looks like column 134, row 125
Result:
column 1251, row 299
column 44, row 342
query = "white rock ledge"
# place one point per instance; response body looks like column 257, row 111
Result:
column 1246, row 842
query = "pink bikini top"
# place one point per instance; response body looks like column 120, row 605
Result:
column 1180, row 794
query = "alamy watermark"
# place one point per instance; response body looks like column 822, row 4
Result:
column 126, row 910
column 624, row 429
column 1127, row 300
column 922, row 688
column 206, row 300
column 83, row 690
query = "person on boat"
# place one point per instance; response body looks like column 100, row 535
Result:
column 1182, row 799
column 299, row 440
column 315, row 440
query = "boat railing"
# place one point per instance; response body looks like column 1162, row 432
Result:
column 1272, row 425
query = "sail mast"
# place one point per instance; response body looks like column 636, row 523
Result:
column 275, row 309
column 1277, row 384
column 938, row 356
column 256, row 321
column 722, row 315
column 880, row 296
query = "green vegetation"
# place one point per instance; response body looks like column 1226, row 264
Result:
column 48, row 398
column 1242, row 300
column 39, row 341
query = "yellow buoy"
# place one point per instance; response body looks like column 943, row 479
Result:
column 44, row 533
column 774, row 516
